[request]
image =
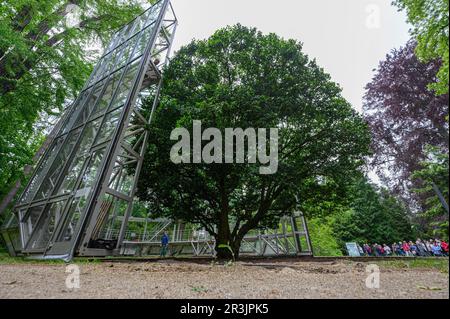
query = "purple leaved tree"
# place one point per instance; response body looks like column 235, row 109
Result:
column 404, row 116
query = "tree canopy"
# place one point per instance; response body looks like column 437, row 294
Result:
column 372, row 216
column 240, row 78
column 405, row 116
column 433, row 177
column 430, row 20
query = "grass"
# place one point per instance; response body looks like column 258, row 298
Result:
column 5, row 259
column 440, row 264
column 198, row 289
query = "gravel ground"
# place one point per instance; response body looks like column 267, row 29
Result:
column 175, row 279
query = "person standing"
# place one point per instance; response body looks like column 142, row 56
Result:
column 387, row 250
column 429, row 244
column 406, row 249
column 421, row 248
column 437, row 250
column 413, row 248
column 360, row 250
column 367, row 250
column 164, row 244
column 376, row 250
column 395, row 249
column 444, row 246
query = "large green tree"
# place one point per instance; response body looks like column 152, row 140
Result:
column 47, row 49
column 433, row 177
column 373, row 216
column 240, row 78
column 430, row 21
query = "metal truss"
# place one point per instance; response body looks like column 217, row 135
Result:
column 291, row 238
column 80, row 196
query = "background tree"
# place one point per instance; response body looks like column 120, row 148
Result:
column 240, row 78
column 47, row 49
column 373, row 216
column 430, row 20
column 323, row 237
column 434, row 174
column 405, row 116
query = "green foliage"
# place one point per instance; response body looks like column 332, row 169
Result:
column 47, row 49
column 323, row 238
column 430, row 20
column 435, row 171
column 240, row 78
column 374, row 216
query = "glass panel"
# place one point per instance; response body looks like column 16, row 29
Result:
column 84, row 190
column 90, row 174
column 89, row 134
column 75, row 111
column 32, row 217
column 89, row 105
column 129, row 46
column 122, row 178
column 47, row 224
column 98, row 71
column 127, row 32
column 140, row 21
column 42, row 170
column 125, row 85
column 71, row 224
column 58, row 164
column 70, row 180
column 111, row 66
column 108, row 94
column 122, row 36
column 127, row 182
column 115, row 41
column 109, row 222
column 154, row 12
column 109, row 125
column 143, row 41
column 82, row 153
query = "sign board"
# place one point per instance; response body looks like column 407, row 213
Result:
column 352, row 249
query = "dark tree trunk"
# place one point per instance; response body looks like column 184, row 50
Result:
column 223, row 248
column 236, row 246
column 223, row 236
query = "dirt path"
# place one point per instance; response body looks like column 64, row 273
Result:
column 172, row 279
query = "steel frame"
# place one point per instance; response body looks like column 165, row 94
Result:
column 290, row 239
column 87, row 178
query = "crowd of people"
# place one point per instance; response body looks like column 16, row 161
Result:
column 419, row 248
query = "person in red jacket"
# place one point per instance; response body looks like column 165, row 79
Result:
column 406, row 249
column 444, row 247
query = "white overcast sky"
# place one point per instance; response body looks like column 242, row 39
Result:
column 347, row 37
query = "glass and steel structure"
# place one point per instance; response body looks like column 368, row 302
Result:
column 80, row 196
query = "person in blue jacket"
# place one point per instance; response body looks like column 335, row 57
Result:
column 164, row 244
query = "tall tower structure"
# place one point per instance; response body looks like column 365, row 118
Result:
column 80, row 196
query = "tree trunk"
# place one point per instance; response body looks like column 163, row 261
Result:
column 236, row 246
column 223, row 248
